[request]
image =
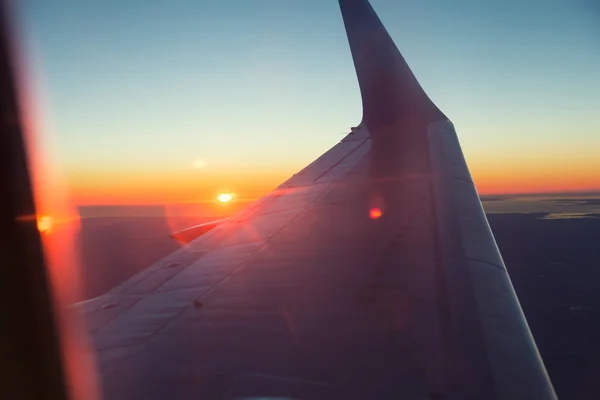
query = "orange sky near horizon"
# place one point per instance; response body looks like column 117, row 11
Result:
column 555, row 176
column 138, row 188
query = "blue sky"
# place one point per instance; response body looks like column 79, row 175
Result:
column 252, row 85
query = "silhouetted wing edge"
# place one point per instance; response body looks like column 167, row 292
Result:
column 474, row 267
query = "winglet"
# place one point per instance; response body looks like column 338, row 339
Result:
column 390, row 92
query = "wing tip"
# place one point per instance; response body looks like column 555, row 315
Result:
column 389, row 89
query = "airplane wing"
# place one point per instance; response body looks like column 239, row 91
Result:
column 370, row 274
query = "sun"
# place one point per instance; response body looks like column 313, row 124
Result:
column 225, row 197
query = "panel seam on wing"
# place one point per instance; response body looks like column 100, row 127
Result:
column 340, row 160
column 476, row 260
column 462, row 179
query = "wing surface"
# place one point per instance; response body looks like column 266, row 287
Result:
column 310, row 295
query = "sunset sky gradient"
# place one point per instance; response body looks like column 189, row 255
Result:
column 176, row 101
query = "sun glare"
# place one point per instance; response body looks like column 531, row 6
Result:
column 375, row 213
column 199, row 163
column 225, row 197
column 44, row 224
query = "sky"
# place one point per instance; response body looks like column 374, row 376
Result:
column 154, row 101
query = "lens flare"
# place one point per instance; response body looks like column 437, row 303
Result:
column 375, row 213
column 199, row 163
column 44, row 224
column 225, row 197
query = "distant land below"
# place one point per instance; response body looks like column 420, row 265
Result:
column 198, row 210
column 556, row 203
column 562, row 205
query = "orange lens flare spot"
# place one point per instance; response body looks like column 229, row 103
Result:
column 375, row 213
column 44, row 224
column 225, row 197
